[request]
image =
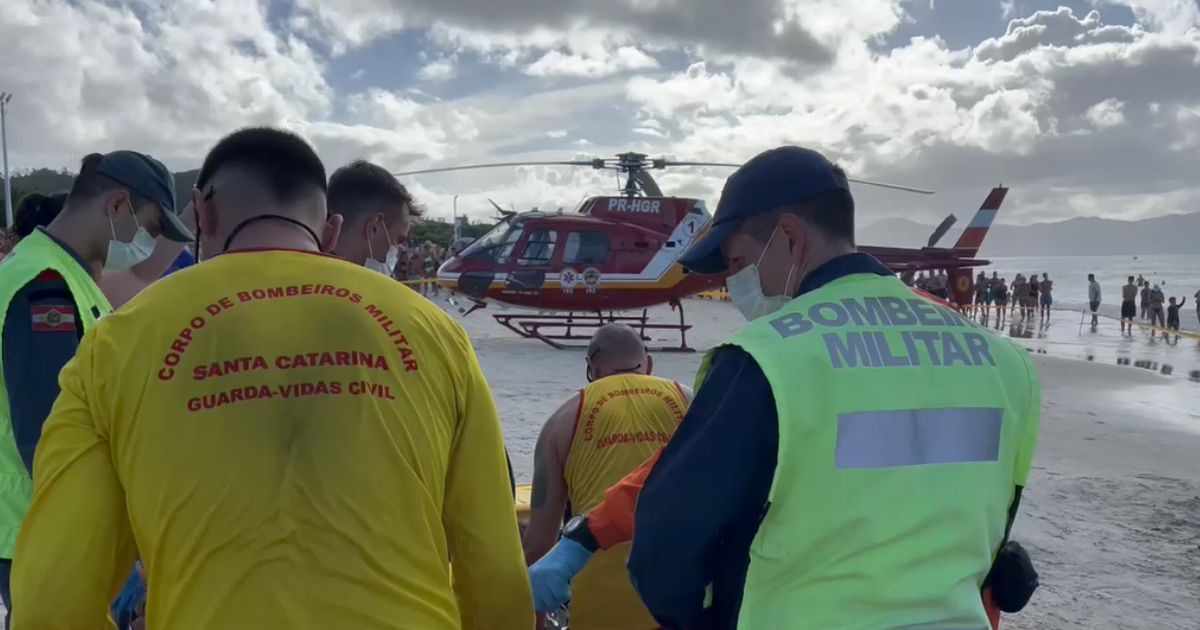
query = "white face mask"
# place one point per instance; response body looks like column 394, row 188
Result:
column 123, row 255
column 746, row 293
column 390, row 259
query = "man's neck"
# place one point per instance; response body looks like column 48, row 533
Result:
column 268, row 234
column 73, row 236
column 817, row 259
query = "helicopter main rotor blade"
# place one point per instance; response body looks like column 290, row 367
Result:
column 445, row 169
column 923, row 191
column 649, row 186
column 941, row 230
column 674, row 163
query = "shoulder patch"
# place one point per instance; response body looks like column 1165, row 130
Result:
column 53, row 318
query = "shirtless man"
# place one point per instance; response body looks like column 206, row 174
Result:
column 1046, row 299
column 599, row 435
column 1020, row 294
column 1129, row 294
column 981, row 292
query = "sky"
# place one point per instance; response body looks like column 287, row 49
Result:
column 1082, row 108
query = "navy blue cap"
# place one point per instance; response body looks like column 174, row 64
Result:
column 770, row 180
column 149, row 178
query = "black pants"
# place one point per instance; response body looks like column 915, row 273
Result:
column 5, row 592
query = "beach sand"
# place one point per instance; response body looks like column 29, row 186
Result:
column 1111, row 516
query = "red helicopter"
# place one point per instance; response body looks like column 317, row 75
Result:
column 618, row 253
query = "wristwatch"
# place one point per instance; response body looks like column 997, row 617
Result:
column 577, row 529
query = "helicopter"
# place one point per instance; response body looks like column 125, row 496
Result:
column 576, row 271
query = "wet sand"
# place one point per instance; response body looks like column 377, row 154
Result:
column 1112, row 512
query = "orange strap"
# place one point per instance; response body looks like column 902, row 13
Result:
column 611, row 522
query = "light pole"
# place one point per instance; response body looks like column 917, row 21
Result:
column 5, row 97
column 454, row 218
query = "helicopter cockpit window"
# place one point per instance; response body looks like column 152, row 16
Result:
column 539, row 249
column 497, row 245
column 586, row 248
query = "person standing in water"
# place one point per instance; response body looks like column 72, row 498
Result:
column 1034, row 285
column 1196, row 301
column 1157, row 314
column 1173, row 315
column 1144, row 311
column 1129, row 294
column 981, row 292
column 1020, row 294
column 1046, row 300
column 1094, row 298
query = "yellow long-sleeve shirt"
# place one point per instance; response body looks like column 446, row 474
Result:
column 288, row 441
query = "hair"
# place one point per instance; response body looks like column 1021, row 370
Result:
column 1131, row 278
column 1091, row 276
column 831, row 212
column 37, row 210
column 90, row 184
column 284, row 163
column 360, row 186
column 618, row 341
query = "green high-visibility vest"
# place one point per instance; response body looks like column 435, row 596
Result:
column 33, row 255
column 903, row 430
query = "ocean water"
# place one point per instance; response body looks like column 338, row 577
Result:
column 1179, row 276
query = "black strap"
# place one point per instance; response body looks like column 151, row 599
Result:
column 265, row 217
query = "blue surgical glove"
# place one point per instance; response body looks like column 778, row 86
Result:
column 551, row 575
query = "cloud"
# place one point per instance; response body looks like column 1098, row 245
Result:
column 94, row 77
column 346, row 24
column 1059, row 28
column 440, row 70
column 1173, row 17
column 1059, row 107
column 765, row 28
column 1106, row 113
column 1078, row 116
column 555, row 63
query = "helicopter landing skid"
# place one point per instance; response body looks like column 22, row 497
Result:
column 562, row 331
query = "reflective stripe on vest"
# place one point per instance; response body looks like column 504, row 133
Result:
column 33, row 255
column 903, row 429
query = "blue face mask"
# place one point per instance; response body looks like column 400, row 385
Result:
column 388, row 265
column 122, row 255
column 746, row 292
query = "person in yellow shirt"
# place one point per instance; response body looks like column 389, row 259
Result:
column 593, row 440
column 285, row 439
column 377, row 211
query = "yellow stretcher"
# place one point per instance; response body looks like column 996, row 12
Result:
column 523, row 492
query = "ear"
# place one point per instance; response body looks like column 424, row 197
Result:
column 331, row 232
column 115, row 202
column 794, row 229
column 370, row 225
column 206, row 218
